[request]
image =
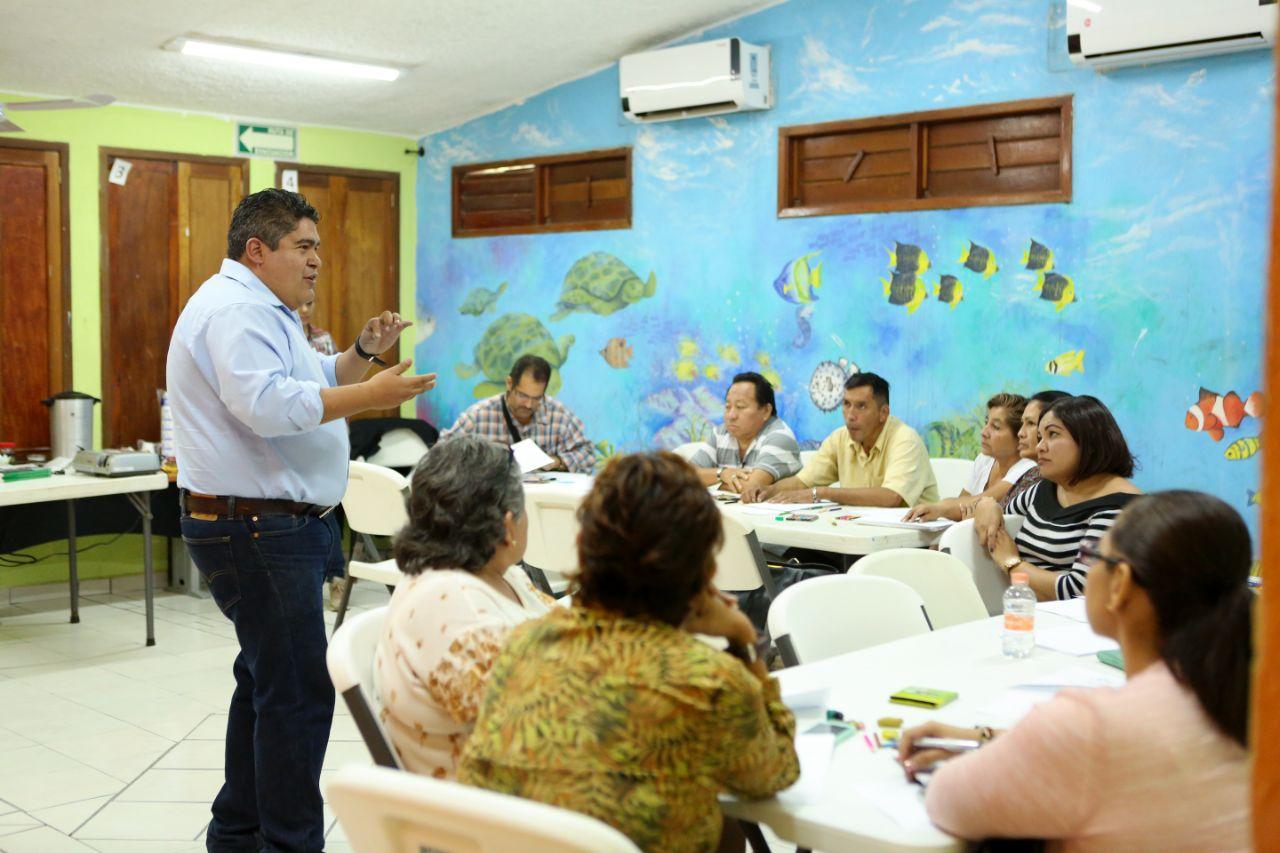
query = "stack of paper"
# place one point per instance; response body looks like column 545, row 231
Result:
column 1077, row 639
column 892, row 517
column 1071, row 608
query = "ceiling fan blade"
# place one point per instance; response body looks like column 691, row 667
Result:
column 61, row 104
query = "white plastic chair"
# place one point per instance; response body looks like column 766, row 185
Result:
column 827, row 616
column 399, row 448
column 952, row 475
column 374, row 506
column 961, row 542
column 553, row 538
column 740, row 564
column 382, row 811
column 945, row 583
column 686, row 450
column 350, row 660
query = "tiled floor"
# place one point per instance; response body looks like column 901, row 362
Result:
column 110, row 746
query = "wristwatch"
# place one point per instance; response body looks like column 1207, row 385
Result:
column 1011, row 563
column 367, row 356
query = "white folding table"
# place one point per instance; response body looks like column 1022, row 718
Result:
column 72, row 486
column 827, row 533
column 832, row 814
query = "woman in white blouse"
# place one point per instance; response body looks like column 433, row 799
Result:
column 447, row 622
column 997, row 467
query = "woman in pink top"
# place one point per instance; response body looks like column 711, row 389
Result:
column 1159, row 764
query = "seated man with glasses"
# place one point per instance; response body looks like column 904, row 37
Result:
column 525, row 411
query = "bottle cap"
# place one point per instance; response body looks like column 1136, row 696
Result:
column 1019, row 577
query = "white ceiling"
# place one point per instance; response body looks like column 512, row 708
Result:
column 466, row 58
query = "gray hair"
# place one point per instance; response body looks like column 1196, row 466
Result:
column 459, row 495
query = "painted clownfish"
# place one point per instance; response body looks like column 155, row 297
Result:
column 1213, row 412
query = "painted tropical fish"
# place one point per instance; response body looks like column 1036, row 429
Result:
column 1213, row 413
column 906, row 288
column 797, row 283
column 686, row 370
column 729, row 354
column 1243, row 448
column 767, row 370
column 1038, row 257
column 1255, row 498
column 905, row 257
column 1071, row 361
column 1058, row 289
column 980, row 259
column 712, row 372
column 616, row 353
column 949, row 290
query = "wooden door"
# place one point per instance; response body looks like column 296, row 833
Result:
column 359, row 251
column 164, row 232
column 34, row 289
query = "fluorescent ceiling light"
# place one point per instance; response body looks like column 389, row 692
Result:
column 286, row 60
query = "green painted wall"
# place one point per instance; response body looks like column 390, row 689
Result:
column 176, row 133
column 188, row 133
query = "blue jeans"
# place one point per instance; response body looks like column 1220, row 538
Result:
column 266, row 577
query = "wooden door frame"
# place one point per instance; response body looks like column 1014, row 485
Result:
column 63, row 150
column 105, row 154
column 394, row 177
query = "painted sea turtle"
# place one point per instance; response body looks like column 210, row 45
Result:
column 600, row 283
column 481, row 300
column 507, row 338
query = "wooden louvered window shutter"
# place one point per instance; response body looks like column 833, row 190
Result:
column 1010, row 153
column 588, row 191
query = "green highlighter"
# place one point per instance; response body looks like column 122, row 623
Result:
column 34, row 474
column 1112, row 657
column 923, row 697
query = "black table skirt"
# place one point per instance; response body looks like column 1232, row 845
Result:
column 33, row 524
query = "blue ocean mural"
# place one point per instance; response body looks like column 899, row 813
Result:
column 1146, row 290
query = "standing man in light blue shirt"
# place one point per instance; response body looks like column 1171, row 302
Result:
column 262, row 453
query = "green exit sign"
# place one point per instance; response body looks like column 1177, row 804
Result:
column 267, row 140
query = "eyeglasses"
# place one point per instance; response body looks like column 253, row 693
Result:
column 1090, row 554
column 521, row 397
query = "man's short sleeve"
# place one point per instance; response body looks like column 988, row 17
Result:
column 907, row 470
column 824, row 468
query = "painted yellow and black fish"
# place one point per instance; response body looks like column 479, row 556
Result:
column 1243, row 448
column 1038, row 257
column 906, row 288
column 1058, row 289
column 907, row 258
column 949, row 290
column 980, row 259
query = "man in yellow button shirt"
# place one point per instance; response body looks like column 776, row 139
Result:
column 876, row 458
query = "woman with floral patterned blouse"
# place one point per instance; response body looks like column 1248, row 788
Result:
column 446, row 623
column 612, row 707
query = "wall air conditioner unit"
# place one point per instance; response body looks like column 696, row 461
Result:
column 1104, row 34
column 711, row 78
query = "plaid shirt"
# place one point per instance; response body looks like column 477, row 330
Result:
column 555, row 429
column 774, row 450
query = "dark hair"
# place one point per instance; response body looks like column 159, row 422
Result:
column 1013, row 405
column 268, row 215
column 1191, row 553
column 536, row 365
column 764, row 391
column 1047, row 397
column 1103, row 449
column 879, row 387
column 458, row 497
column 650, row 532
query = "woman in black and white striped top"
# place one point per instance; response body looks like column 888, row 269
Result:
column 1085, row 464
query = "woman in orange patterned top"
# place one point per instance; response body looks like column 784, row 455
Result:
column 467, row 531
column 612, row 707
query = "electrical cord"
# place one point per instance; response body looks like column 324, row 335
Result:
column 17, row 559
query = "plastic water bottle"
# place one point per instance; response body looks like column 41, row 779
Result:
column 1019, row 618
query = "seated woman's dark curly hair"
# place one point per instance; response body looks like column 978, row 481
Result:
column 650, row 533
column 458, row 497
